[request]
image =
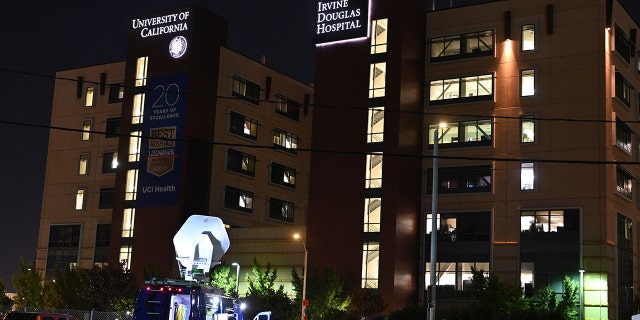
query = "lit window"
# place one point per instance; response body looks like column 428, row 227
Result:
column 125, row 256
column 283, row 175
column 375, row 129
column 285, row 140
column 456, row 90
column 141, row 71
column 379, row 36
column 528, row 33
column 463, row 134
column 238, row 199
column 109, row 162
column 80, row 198
column 527, row 82
column 138, row 108
column 373, row 172
column 287, row 107
column 86, row 129
column 624, row 182
column 460, row 46
column 456, row 275
column 245, row 90
column 542, row 221
column 527, row 176
column 241, row 162
column 527, row 129
column 377, row 80
column 88, row 101
column 372, row 210
column 131, row 185
column 281, row 210
column 116, row 93
column 135, row 141
column 128, row 217
column 370, row 264
column 623, row 136
column 83, row 167
column 243, row 126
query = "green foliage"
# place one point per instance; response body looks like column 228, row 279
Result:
column 495, row 300
column 366, row 303
column 28, row 285
column 5, row 301
column 324, row 292
column 107, row 286
column 263, row 295
column 221, row 277
column 64, row 292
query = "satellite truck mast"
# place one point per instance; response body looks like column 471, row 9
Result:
column 199, row 244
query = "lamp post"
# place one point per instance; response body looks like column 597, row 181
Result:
column 237, row 265
column 581, row 292
column 304, row 276
column 434, row 223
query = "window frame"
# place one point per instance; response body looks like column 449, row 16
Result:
column 623, row 89
column 522, row 37
column 109, row 157
column 281, row 210
column 86, row 134
column 80, row 199
column 465, row 51
column 86, row 159
column 624, row 136
column 624, row 182
column 238, row 124
column 112, row 127
column 105, row 200
column 528, row 118
column 282, row 136
column 531, row 89
column 234, row 155
column 290, row 106
column 90, row 97
column 280, row 170
column 453, row 180
column 245, row 90
column 232, row 197
column 116, row 92
column 526, row 167
column 455, row 95
column 622, row 44
column 447, row 138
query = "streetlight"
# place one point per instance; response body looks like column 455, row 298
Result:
column 237, row 276
column 304, row 275
column 581, row 292
column 434, row 221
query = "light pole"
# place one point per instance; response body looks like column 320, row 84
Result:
column 434, row 222
column 237, row 265
column 304, row 275
column 581, row 293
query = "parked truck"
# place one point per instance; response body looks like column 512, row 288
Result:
column 200, row 243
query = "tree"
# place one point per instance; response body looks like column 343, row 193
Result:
column 28, row 286
column 324, row 292
column 107, row 286
column 366, row 303
column 5, row 301
column 263, row 295
column 62, row 291
column 221, row 277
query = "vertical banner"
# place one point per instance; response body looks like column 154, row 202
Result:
column 162, row 147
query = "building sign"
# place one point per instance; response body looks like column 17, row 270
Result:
column 161, row 150
column 341, row 20
column 164, row 24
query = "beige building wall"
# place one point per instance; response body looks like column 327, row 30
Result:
column 63, row 160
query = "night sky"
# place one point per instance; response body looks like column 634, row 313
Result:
column 42, row 37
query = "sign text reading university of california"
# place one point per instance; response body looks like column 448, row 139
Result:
column 341, row 20
column 169, row 23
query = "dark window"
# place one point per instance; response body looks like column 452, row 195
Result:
column 112, row 128
column 109, row 162
column 460, row 46
column 623, row 136
column 101, row 253
column 106, row 198
column 243, row 126
column 281, row 210
column 246, row 90
column 116, row 92
column 241, row 162
column 287, row 107
column 623, row 45
column 238, row 199
column 462, row 179
column 283, row 175
column 623, row 89
column 625, row 266
column 64, row 243
column 285, row 140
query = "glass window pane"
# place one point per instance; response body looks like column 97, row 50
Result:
column 528, row 37
column 527, row 82
column 527, row 176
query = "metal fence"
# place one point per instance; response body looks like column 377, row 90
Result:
column 79, row 314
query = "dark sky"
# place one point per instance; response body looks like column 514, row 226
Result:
column 42, row 37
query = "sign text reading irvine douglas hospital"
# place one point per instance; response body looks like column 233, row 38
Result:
column 340, row 20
